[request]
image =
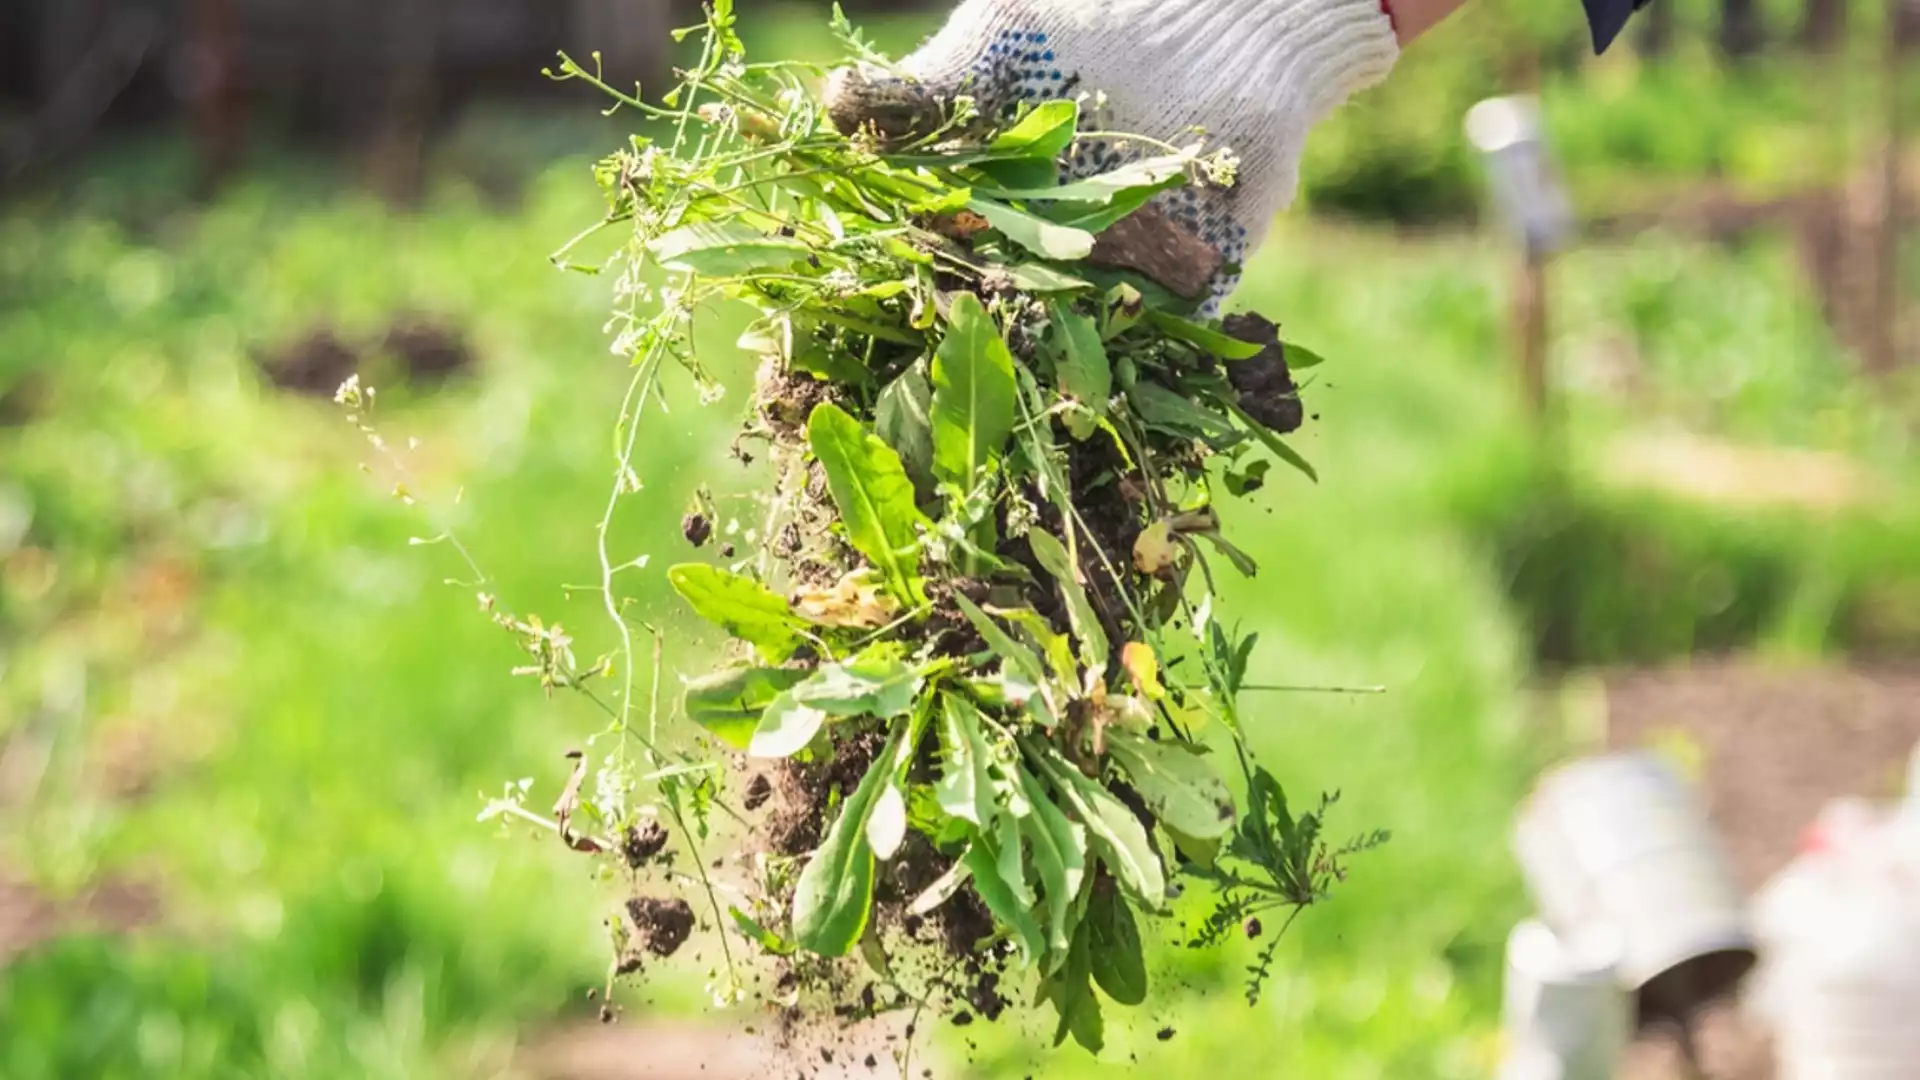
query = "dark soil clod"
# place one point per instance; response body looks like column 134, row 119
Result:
column 1267, row 390
column 759, row 790
column 697, row 528
column 1164, row 1034
column 642, row 842
column 659, row 926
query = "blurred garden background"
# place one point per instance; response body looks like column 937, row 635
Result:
column 247, row 720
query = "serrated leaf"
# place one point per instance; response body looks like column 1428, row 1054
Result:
column 1045, row 132
column 887, row 824
column 1115, row 834
column 739, row 605
column 1059, row 850
column 729, row 703
column 903, row 417
column 1224, row 346
column 834, row 896
column 1086, row 626
column 965, row 789
column 973, row 388
column 1113, row 949
column 1182, row 789
column 994, row 891
column 724, row 249
column 1047, row 239
column 1080, row 361
column 875, row 499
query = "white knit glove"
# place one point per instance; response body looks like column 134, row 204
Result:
column 1253, row 75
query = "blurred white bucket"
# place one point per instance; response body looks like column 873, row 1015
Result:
column 1841, row 928
column 1620, row 841
column 1566, row 1015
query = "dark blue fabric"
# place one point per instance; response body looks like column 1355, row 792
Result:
column 1607, row 18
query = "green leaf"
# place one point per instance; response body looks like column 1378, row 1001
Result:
column 729, row 702
column 1272, row 442
column 1023, row 659
column 1182, row 789
column 1080, row 362
column 1148, row 176
column 1072, row 995
column 984, row 864
column 1113, row 948
column 876, row 682
column 1059, row 850
column 903, row 418
column 1163, row 408
column 1044, row 132
column 1115, row 833
column 1044, row 238
column 875, row 499
column 965, row 789
column 834, row 895
column 887, row 824
column 1086, row 627
column 773, row 943
column 1299, row 357
column 724, row 249
column 1036, row 277
column 1213, row 341
column 741, row 606
column 785, row 728
column 973, row 405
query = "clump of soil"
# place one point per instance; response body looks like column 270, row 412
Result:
column 428, row 350
column 1267, row 390
column 697, row 528
column 315, row 365
column 657, row 926
column 642, row 843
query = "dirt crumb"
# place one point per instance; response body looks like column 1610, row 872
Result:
column 660, row 926
column 642, row 843
column 759, row 790
column 697, row 528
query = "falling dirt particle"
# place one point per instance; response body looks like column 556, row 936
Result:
column 1164, row 1034
column 962, row 1018
column 1253, row 927
column 759, row 790
column 606, row 1013
column 660, row 926
column 696, row 528
column 871, row 1063
column 642, row 842
column 826, row 1055
column 726, row 550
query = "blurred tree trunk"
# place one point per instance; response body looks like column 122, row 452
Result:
column 1656, row 28
column 1742, row 29
column 1906, row 24
column 1824, row 25
column 630, row 35
column 406, row 60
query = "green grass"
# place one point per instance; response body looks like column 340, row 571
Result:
column 328, row 715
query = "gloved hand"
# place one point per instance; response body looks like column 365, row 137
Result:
column 1252, row 75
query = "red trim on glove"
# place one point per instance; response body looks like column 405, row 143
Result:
column 1386, row 8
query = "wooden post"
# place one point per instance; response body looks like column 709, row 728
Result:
column 1530, row 328
column 1883, row 351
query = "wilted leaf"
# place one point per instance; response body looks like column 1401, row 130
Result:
column 973, row 388
column 1144, row 668
column 729, row 702
column 724, row 249
column 1113, row 949
column 1154, row 550
column 834, row 895
column 875, row 499
column 739, row 605
column 1178, row 785
column 856, row 600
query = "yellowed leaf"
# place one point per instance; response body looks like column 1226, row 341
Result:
column 1155, row 551
column 855, row 601
column 1140, row 663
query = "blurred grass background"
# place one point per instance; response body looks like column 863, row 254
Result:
column 232, row 686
